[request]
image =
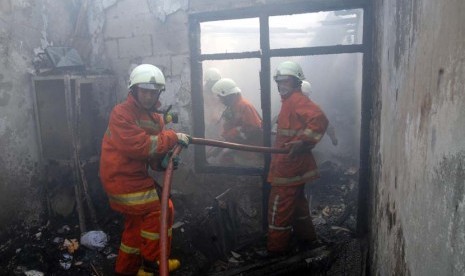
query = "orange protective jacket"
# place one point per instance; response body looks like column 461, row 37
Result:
column 132, row 142
column 242, row 123
column 299, row 119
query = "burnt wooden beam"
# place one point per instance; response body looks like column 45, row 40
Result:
column 197, row 93
column 265, row 91
column 365, row 195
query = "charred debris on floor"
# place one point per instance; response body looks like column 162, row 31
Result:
column 218, row 238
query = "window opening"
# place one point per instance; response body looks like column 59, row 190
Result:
column 221, row 120
column 327, row 44
column 229, row 36
column 316, row 29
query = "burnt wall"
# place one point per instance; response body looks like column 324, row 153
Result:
column 417, row 151
column 26, row 27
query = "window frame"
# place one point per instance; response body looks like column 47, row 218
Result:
column 263, row 12
column 264, row 55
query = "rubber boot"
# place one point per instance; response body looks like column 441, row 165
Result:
column 173, row 264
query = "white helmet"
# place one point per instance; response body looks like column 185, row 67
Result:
column 147, row 76
column 212, row 75
column 225, row 87
column 288, row 68
column 306, row 88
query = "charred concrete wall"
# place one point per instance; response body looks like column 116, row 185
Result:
column 418, row 151
column 26, row 27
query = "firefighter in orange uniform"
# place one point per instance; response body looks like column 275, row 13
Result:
column 301, row 125
column 241, row 122
column 135, row 139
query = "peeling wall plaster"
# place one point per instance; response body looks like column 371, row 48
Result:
column 96, row 22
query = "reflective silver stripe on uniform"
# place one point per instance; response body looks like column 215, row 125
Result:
column 273, row 216
column 153, row 144
column 287, row 132
column 154, row 236
column 307, row 132
column 312, row 134
column 299, row 178
column 135, row 198
column 129, row 250
column 287, row 228
column 275, row 207
column 148, row 124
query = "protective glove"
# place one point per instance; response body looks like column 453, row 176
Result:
column 166, row 160
column 183, row 139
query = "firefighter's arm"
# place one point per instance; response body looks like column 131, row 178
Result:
column 233, row 134
column 251, row 122
column 314, row 120
column 133, row 141
column 315, row 124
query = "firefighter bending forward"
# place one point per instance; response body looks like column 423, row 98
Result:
column 135, row 139
column 241, row 123
column 301, row 124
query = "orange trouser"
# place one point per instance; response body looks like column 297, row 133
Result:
column 288, row 211
column 140, row 240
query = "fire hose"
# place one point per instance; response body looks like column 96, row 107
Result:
column 164, row 213
column 222, row 144
column 167, row 187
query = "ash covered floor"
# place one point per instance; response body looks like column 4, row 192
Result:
column 212, row 241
